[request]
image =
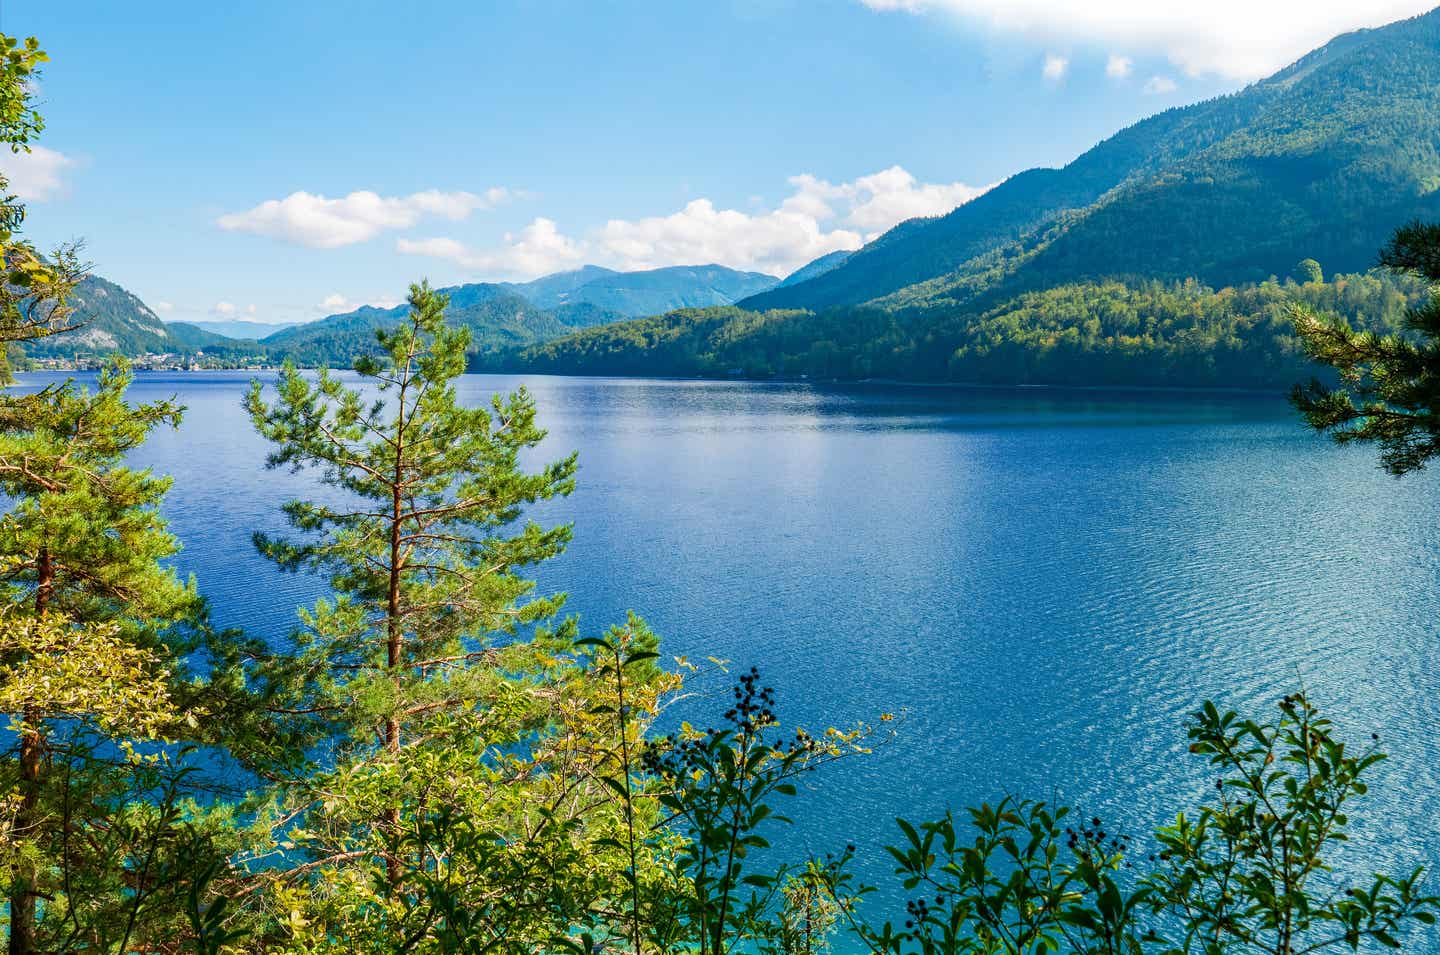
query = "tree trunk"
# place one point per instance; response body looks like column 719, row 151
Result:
column 22, row 894
column 395, row 633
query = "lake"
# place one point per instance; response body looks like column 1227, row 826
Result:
column 1045, row 583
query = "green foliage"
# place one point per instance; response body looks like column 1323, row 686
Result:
column 719, row 789
column 1253, row 871
column 1389, row 390
column 97, row 673
column 85, row 536
column 1307, row 271
column 415, row 688
column 428, row 562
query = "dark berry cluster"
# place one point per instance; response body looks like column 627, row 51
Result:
column 754, row 707
column 1093, row 842
column 919, row 910
column 673, row 756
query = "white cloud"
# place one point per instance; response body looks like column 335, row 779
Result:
column 817, row 217
column 337, row 304
column 1236, row 39
column 223, row 308
column 37, row 175
column 538, row 248
column 164, row 307
column 1118, row 67
column 1055, row 66
column 313, row 220
column 1160, row 85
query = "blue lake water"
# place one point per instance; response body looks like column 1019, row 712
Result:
column 1045, row 582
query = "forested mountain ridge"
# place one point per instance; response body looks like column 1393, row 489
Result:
column 1103, row 332
column 496, row 318
column 1322, row 159
column 646, row 292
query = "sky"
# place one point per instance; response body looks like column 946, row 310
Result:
column 281, row 161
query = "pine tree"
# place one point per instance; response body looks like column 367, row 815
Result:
column 1389, row 390
column 83, row 552
column 423, row 546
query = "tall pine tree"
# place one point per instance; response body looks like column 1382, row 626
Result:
column 423, row 544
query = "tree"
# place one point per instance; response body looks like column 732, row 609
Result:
column 1389, row 389
column 419, row 655
column 83, row 551
column 1308, row 271
column 35, row 291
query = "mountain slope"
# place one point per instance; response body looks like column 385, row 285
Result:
column 496, row 318
column 116, row 320
column 1148, row 333
column 826, row 263
column 1322, row 159
column 556, row 289
column 649, row 292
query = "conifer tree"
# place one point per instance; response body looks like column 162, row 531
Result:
column 83, row 552
column 422, row 542
column 1389, row 391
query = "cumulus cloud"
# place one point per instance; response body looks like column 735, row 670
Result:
column 1235, row 39
column 337, row 304
column 818, row 217
column 225, row 309
column 538, row 248
column 1118, row 67
column 1055, row 66
column 321, row 223
column 1160, row 85
column 37, row 175
column 164, row 307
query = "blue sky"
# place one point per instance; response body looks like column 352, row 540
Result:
column 281, row 161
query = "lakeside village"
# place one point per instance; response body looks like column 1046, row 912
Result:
column 151, row 361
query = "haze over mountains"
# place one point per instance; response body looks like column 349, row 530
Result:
column 238, row 328
column 1147, row 260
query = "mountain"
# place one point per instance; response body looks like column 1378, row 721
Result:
column 496, row 317
column 1322, row 159
column 248, row 331
column 559, row 288
column 1147, row 260
column 649, row 292
column 116, row 320
column 826, row 263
